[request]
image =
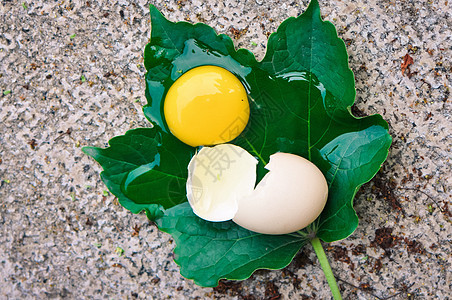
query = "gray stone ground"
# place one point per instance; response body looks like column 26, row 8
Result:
column 59, row 233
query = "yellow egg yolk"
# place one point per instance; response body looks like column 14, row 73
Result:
column 207, row 105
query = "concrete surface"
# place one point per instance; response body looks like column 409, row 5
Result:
column 74, row 70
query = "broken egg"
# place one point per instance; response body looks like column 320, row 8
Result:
column 289, row 197
column 217, row 178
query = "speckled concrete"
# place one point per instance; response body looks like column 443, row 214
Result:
column 74, row 70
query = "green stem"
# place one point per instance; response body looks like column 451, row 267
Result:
column 315, row 242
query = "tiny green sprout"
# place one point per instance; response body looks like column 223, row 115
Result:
column 105, row 193
column 6, row 92
column 24, row 5
column 82, row 78
column 73, row 196
column 365, row 258
column 430, row 208
column 253, row 43
column 97, row 245
column 137, row 100
column 87, row 186
column 120, row 251
column 72, row 36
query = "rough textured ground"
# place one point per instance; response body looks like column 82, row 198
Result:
column 71, row 75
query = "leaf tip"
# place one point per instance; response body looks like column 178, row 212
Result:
column 313, row 9
column 313, row 5
column 152, row 8
column 86, row 150
column 155, row 13
column 90, row 151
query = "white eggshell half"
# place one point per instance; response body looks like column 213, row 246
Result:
column 289, row 197
column 218, row 177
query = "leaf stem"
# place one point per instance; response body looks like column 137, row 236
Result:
column 315, row 242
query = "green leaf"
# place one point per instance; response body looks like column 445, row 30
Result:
column 300, row 93
column 142, row 173
column 210, row 251
column 300, row 96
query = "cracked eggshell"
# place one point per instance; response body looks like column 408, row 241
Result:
column 218, row 177
column 289, row 197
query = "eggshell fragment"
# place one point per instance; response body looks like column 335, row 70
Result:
column 217, row 178
column 290, row 197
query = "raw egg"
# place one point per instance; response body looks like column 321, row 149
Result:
column 207, row 105
column 289, row 197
